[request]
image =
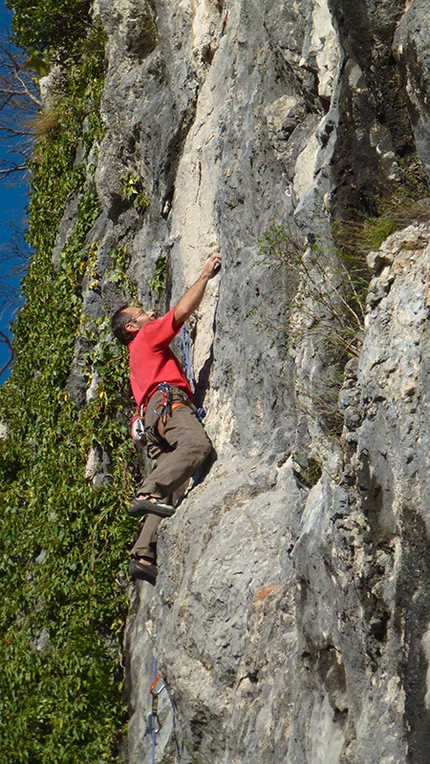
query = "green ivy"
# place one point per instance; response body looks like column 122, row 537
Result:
column 158, row 281
column 63, row 600
column 117, row 274
column 132, row 190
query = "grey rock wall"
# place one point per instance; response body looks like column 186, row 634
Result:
column 290, row 621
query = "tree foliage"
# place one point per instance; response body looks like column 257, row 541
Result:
column 49, row 25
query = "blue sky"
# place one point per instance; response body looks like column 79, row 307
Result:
column 13, row 202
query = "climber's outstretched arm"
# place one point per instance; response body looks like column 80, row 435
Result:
column 192, row 298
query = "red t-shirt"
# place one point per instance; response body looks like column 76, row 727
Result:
column 153, row 362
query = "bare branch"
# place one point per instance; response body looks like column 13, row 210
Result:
column 15, row 64
column 13, row 168
column 4, row 339
column 9, row 132
column 20, row 102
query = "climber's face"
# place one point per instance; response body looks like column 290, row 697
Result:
column 138, row 318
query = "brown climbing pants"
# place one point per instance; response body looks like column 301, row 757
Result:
column 178, row 454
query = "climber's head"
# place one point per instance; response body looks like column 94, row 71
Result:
column 127, row 321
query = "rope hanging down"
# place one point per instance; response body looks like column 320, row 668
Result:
column 186, row 341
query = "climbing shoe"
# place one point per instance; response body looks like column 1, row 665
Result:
column 139, row 571
column 150, row 505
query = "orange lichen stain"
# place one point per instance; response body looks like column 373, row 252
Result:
column 264, row 591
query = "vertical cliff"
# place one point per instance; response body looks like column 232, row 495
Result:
column 290, row 620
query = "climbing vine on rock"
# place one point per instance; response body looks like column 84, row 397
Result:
column 62, row 535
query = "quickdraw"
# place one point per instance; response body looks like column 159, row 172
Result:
column 222, row 31
column 154, row 723
column 155, row 691
column 224, row 24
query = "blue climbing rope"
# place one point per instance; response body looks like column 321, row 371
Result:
column 186, row 341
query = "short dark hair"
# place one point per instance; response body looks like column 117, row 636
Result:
column 118, row 321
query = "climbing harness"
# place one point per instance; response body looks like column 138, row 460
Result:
column 154, row 723
column 166, row 407
column 141, row 434
column 139, row 431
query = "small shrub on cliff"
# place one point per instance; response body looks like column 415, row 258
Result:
column 330, row 291
column 132, row 190
column 158, row 281
column 402, row 204
column 327, row 309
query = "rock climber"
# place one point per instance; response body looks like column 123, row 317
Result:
column 175, row 437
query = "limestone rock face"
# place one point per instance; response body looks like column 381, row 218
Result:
column 411, row 48
column 290, row 621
